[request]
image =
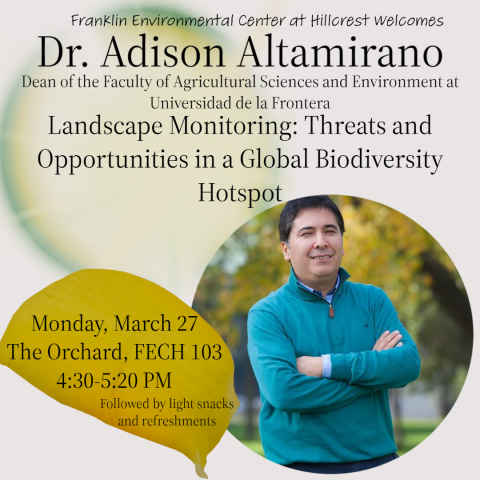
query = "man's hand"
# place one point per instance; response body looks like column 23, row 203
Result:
column 310, row 366
column 387, row 340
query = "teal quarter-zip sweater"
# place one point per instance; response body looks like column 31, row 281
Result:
column 346, row 417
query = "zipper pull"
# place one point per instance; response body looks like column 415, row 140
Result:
column 331, row 313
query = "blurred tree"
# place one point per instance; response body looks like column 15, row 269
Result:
column 389, row 250
column 247, row 268
column 445, row 357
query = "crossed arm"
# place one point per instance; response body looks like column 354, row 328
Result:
column 385, row 366
column 273, row 360
column 296, row 385
column 313, row 366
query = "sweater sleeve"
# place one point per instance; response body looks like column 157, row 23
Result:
column 393, row 368
column 274, row 362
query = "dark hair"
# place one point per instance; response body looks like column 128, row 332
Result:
column 294, row 207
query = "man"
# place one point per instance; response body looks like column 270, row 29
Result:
column 325, row 351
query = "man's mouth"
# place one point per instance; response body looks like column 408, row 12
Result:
column 321, row 257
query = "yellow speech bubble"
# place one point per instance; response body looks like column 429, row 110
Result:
column 131, row 354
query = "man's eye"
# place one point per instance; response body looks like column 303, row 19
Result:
column 304, row 234
column 330, row 231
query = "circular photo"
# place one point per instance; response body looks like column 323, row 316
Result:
column 350, row 328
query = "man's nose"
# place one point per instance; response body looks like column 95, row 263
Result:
column 320, row 241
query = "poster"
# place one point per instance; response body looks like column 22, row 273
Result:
column 153, row 224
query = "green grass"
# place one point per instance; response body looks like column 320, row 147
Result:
column 415, row 432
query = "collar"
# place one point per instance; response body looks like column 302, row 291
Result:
column 297, row 290
column 318, row 293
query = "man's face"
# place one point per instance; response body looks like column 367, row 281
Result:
column 315, row 248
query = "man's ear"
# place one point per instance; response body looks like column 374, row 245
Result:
column 285, row 251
